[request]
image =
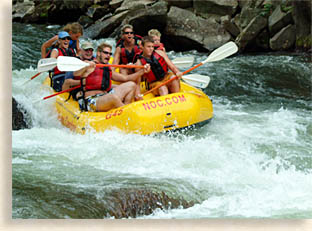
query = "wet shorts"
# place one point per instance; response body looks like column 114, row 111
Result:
column 89, row 104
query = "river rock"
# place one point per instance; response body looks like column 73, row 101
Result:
column 279, row 20
column 263, row 40
column 97, row 11
column 181, row 4
column 190, row 31
column 229, row 25
column 219, row 7
column 134, row 5
column 104, row 28
column 302, row 13
column 153, row 16
column 133, row 203
column 284, row 39
column 251, row 31
column 115, row 3
column 21, row 9
column 198, row 25
column 18, row 118
column 250, row 3
column 246, row 15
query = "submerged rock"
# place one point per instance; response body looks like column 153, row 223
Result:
column 18, row 116
column 134, row 203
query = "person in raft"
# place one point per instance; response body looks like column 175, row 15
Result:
column 155, row 34
column 98, row 93
column 160, row 63
column 57, row 76
column 85, row 54
column 127, row 47
column 75, row 30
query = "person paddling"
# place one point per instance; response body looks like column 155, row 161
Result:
column 85, row 54
column 57, row 76
column 160, row 64
column 98, row 93
column 75, row 30
column 127, row 47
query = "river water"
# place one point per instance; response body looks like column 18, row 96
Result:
column 254, row 160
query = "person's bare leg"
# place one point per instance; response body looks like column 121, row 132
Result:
column 174, row 86
column 163, row 90
column 125, row 92
column 137, row 92
column 107, row 102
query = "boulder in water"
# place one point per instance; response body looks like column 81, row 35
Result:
column 18, row 116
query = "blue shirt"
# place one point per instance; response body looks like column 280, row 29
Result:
column 69, row 75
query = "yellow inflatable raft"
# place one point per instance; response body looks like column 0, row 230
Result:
column 152, row 115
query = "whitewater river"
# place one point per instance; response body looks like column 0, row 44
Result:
column 254, row 160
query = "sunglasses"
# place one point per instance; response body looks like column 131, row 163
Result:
column 68, row 38
column 128, row 32
column 89, row 49
column 107, row 53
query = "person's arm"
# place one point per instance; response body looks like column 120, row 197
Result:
column 171, row 66
column 84, row 72
column 116, row 56
column 78, row 48
column 54, row 53
column 124, row 78
column 132, row 77
column 137, row 92
column 46, row 45
column 70, row 81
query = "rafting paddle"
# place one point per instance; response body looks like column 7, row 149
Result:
column 220, row 53
column 197, row 80
column 183, row 62
column 31, row 78
column 46, row 64
column 66, row 63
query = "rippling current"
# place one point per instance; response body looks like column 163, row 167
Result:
column 254, row 160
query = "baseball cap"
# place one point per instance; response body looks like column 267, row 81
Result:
column 87, row 45
column 63, row 34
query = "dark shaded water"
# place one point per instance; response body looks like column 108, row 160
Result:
column 253, row 160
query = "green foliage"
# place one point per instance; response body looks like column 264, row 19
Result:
column 304, row 42
column 286, row 9
column 43, row 15
column 267, row 9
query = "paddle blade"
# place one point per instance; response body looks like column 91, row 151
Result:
column 197, row 80
column 66, row 63
column 46, row 64
column 183, row 62
column 222, row 52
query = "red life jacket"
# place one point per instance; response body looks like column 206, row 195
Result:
column 63, row 52
column 99, row 79
column 126, row 56
column 159, row 46
column 137, row 56
column 159, row 67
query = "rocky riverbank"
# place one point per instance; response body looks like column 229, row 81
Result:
column 255, row 25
